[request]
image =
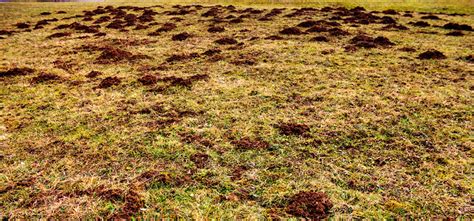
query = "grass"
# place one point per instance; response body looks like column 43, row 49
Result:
column 390, row 136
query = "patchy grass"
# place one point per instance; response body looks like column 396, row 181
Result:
column 156, row 115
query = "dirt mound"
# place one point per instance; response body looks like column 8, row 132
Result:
column 291, row 31
column 59, row 35
column 293, row 128
column 148, row 80
column 420, row 24
column 364, row 41
column 432, row 54
column 61, row 12
column 460, row 27
column 109, row 82
column 431, row 17
column 338, row 32
column 6, row 32
column 317, row 28
column 455, row 33
column 177, row 81
column 181, row 57
column 166, row 27
column 44, row 77
column 211, row 52
column 247, row 143
column 102, row 19
column 274, row 37
column 469, row 58
column 216, row 29
column 407, row 49
column 200, row 159
column 110, row 55
column 181, row 36
column 320, row 39
column 22, row 25
column 226, row 41
column 390, row 12
column 395, row 27
column 311, row 205
column 308, row 24
column 100, row 34
column 93, row 74
column 16, row 72
column 236, row 21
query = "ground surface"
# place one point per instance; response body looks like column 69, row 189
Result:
column 240, row 112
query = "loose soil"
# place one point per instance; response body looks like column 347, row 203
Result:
column 93, row 74
column 432, row 54
column 247, row 143
column 200, row 159
column 45, row 77
column 181, row 36
column 226, row 41
column 311, row 205
column 293, row 129
column 16, row 72
column 109, row 82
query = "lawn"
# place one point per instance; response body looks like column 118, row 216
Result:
column 251, row 111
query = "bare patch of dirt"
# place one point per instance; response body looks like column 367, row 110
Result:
column 200, row 159
column 181, row 36
column 293, row 129
column 22, row 25
column 469, row 58
column 247, row 143
column 93, row 74
column 420, row 24
column 407, row 49
column 455, row 33
column 237, row 172
column 45, row 77
column 430, row 17
column 274, row 37
column 460, row 27
column 226, row 41
column 109, row 82
column 311, row 205
column 320, row 39
column 211, row 52
column 148, row 79
column 432, row 54
column 196, row 139
column 181, row 57
column 16, row 72
column 291, row 31
column 59, row 35
column 111, row 55
column 216, row 29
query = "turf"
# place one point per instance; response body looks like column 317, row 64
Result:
column 255, row 120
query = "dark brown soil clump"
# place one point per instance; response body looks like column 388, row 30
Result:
column 45, row 77
column 311, row 205
column 364, row 41
column 109, row 82
column 216, row 29
column 22, row 25
column 291, row 31
column 274, row 37
column 469, row 58
column 455, row 33
column 226, row 41
column 200, row 159
column 181, row 36
column 250, row 144
column 16, row 72
column 407, row 49
column 148, row 80
column 460, row 27
column 320, row 39
column 432, row 54
column 93, row 74
column 211, row 52
column 111, row 55
column 293, row 128
column 181, row 57
column 167, row 27
column 430, row 17
column 59, row 35
column 45, row 13
column 420, row 24
column 308, row 24
column 390, row 12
